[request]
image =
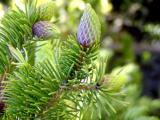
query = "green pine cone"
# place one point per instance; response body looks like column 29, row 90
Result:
column 114, row 82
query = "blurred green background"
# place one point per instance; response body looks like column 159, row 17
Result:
column 130, row 38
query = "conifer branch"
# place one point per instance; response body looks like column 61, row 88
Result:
column 59, row 93
column 82, row 87
column 40, row 90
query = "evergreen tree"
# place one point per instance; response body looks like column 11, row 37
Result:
column 71, row 85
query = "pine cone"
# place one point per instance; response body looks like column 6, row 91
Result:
column 114, row 82
column 89, row 27
column 44, row 30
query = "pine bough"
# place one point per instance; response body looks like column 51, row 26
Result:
column 72, row 86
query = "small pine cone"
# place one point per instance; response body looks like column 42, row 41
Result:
column 89, row 28
column 114, row 82
column 44, row 30
column 46, row 11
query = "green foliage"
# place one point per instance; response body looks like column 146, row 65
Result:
column 46, row 11
column 15, row 29
column 142, row 110
column 43, row 94
column 79, row 57
column 153, row 30
column 31, row 11
column 72, row 85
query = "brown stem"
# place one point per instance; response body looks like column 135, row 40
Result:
column 82, row 87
